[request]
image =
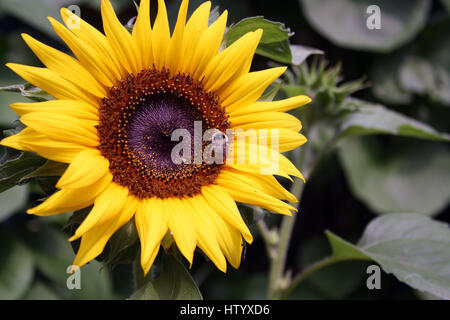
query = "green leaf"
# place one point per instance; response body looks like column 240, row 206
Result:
column 335, row 281
column 345, row 22
column 48, row 185
column 146, row 292
column 96, row 283
column 53, row 255
column 426, row 69
column 174, row 283
column 72, row 224
column 29, row 91
column 405, row 176
column 412, row 247
column 421, row 69
column 51, row 251
column 14, row 165
column 367, row 118
column 343, row 249
column 271, row 92
column 12, row 200
column 18, row 127
column 426, row 296
column 278, row 51
column 40, row 291
column 16, row 267
column 301, row 53
column 273, row 31
column 274, row 43
column 446, row 4
column 123, row 247
column 32, row 12
column 386, row 80
column 49, row 169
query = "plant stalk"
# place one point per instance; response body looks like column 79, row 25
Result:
column 278, row 261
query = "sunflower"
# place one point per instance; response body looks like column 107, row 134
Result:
column 118, row 100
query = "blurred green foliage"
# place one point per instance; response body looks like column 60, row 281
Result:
column 377, row 146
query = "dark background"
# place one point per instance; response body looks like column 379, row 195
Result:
column 329, row 201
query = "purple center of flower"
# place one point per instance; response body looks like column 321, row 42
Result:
column 150, row 131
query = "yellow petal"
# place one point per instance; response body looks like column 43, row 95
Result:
column 91, row 57
column 206, row 231
column 256, row 169
column 288, row 139
column 160, row 36
column 97, row 41
column 142, row 35
column 106, row 206
column 256, row 158
column 268, row 120
column 277, row 165
column 94, row 241
column 77, row 109
column 243, row 192
column 63, row 127
column 67, row 200
column 270, row 158
column 175, row 50
column 30, row 140
column 266, row 183
column 207, row 47
column 86, row 168
column 261, row 154
column 248, row 88
column 181, row 225
column 278, row 139
column 194, row 29
column 119, row 38
column 230, row 240
column 263, row 106
column 287, row 166
column 51, row 83
column 65, row 66
column 227, row 208
column 228, row 65
column 151, row 224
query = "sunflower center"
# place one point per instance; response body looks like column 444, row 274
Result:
column 150, row 131
column 138, row 119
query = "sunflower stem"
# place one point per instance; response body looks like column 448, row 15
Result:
column 267, row 237
column 278, row 261
column 277, row 278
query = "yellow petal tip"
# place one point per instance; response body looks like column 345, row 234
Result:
column 25, row 36
column 74, row 237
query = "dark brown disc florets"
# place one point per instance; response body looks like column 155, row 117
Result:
column 137, row 118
